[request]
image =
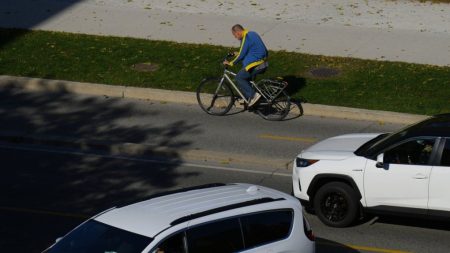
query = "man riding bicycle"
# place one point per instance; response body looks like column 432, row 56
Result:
column 253, row 54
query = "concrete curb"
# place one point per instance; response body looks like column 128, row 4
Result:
column 38, row 84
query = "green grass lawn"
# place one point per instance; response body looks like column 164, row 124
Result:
column 390, row 86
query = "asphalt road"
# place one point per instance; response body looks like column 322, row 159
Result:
column 46, row 190
column 173, row 126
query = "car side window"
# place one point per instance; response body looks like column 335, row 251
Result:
column 266, row 227
column 445, row 159
column 413, row 152
column 218, row 237
column 173, row 244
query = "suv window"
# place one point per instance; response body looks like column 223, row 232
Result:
column 266, row 227
column 218, row 237
column 174, row 244
column 445, row 159
column 413, row 152
column 94, row 236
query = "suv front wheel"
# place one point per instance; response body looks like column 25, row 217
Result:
column 336, row 204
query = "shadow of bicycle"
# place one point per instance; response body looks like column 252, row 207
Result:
column 296, row 83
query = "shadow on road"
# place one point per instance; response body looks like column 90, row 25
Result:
column 438, row 224
column 79, row 184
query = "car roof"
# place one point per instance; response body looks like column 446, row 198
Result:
column 154, row 215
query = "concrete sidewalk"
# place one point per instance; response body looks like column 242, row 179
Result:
column 353, row 34
column 37, row 84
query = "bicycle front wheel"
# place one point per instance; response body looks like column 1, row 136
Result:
column 275, row 110
column 215, row 96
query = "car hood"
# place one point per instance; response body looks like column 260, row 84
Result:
column 338, row 147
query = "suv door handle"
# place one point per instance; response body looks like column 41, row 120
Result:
column 420, row 176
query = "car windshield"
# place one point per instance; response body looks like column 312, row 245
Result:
column 96, row 237
column 361, row 151
column 383, row 141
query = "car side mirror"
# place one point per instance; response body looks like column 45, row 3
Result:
column 380, row 161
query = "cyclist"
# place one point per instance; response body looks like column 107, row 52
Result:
column 253, row 54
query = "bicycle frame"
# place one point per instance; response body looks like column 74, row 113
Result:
column 226, row 76
column 274, row 105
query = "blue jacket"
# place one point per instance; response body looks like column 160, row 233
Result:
column 253, row 52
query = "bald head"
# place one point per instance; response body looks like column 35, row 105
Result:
column 237, row 31
column 237, row 27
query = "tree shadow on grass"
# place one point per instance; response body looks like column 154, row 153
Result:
column 69, row 181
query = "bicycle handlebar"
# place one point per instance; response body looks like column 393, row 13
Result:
column 229, row 54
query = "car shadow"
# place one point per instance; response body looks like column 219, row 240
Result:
column 409, row 221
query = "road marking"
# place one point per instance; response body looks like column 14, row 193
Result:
column 51, row 213
column 363, row 248
column 287, row 138
column 235, row 169
column 378, row 250
column 180, row 163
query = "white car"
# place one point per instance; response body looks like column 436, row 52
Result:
column 219, row 218
column 407, row 172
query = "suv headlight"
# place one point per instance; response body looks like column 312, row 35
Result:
column 300, row 162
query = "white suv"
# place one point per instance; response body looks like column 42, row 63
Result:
column 407, row 172
column 219, row 218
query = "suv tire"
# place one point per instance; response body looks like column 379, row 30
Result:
column 336, row 204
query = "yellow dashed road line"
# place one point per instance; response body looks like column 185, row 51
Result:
column 377, row 250
column 287, row 138
column 363, row 248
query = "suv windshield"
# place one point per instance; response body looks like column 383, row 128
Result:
column 383, row 141
column 96, row 237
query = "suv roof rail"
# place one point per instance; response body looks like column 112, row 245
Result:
column 223, row 209
column 186, row 189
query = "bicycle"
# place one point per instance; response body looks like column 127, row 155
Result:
column 216, row 96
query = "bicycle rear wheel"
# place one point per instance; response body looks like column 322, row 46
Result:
column 278, row 109
column 215, row 96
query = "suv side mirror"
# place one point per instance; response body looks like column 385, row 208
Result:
column 380, row 161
